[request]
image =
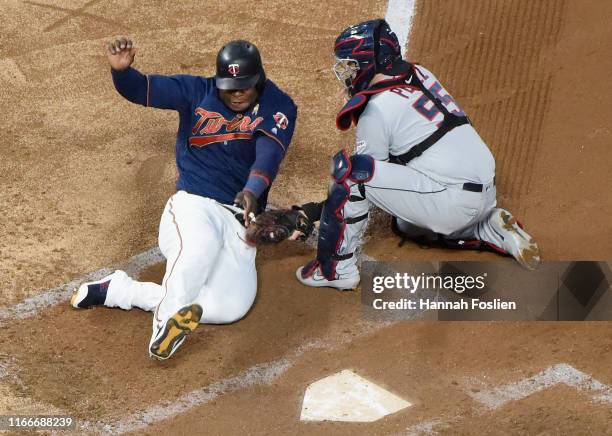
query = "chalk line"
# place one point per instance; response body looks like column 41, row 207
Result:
column 427, row 427
column 400, row 14
column 32, row 305
column 496, row 397
column 558, row 374
column 256, row 375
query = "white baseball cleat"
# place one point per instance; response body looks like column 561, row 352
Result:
column 309, row 277
column 172, row 335
column 516, row 241
column 93, row 293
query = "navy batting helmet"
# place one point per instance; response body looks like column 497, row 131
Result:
column 364, row 49
column 239, row 66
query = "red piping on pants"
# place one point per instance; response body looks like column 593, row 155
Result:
column 174, row 263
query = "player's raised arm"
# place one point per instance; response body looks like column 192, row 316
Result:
column 162, row 92
column 129, row 82
column 120, row 53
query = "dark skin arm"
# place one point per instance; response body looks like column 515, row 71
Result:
column 120, row 53
column 246, row 199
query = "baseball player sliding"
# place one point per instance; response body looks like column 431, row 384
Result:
column 417, row 157
column 234, row 130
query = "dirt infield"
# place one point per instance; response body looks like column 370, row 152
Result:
column 85, row 175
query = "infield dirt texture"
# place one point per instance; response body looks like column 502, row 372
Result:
column 84, row 176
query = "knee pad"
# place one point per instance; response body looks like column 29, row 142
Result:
column 358, row 168
column 341, row 166
column 362, row 168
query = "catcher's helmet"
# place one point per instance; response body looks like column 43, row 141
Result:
column 239, row 66
column 364, row 49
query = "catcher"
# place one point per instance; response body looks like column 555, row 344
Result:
column 417, row 157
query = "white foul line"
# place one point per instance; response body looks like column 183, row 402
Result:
column 399, row 16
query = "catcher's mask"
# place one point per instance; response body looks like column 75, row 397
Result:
column 364, row 49
column 239, row 66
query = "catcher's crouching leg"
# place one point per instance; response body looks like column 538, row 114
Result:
column 500, row 233
column 343, row 221
column 427, row 238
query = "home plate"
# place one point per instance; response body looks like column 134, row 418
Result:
column 345, row 396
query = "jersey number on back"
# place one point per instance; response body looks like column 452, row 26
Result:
column 427, row 108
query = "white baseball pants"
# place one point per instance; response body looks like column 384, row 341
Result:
column 208, row 263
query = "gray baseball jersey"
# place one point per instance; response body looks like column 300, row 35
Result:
column 396, row 120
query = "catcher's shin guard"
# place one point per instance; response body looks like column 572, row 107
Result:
column 332, row 229
column 357, row 169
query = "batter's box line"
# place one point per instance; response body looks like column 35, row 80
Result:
column 561, row 373
column 494, row 398
column 32, row 306
column 261, row 374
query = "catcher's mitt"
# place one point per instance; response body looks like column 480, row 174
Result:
column 274, row 226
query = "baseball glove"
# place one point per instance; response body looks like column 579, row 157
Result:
column 274, row 226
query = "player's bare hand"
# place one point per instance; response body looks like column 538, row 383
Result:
column 246, row 200
column 120, row 53
column 296, row 235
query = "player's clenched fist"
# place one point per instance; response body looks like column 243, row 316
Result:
column 120, row 53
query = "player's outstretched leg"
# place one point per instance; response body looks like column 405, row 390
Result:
column 169, row 338
column 117, row 290
column 94, row 293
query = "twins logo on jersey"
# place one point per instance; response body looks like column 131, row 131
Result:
column 281, row 120
column 210, row 124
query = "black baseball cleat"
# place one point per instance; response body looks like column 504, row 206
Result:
column 93, row 293
column 169, row 337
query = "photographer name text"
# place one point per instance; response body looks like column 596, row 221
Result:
column 426, row 304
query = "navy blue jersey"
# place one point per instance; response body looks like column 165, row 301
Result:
column 218, row 152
